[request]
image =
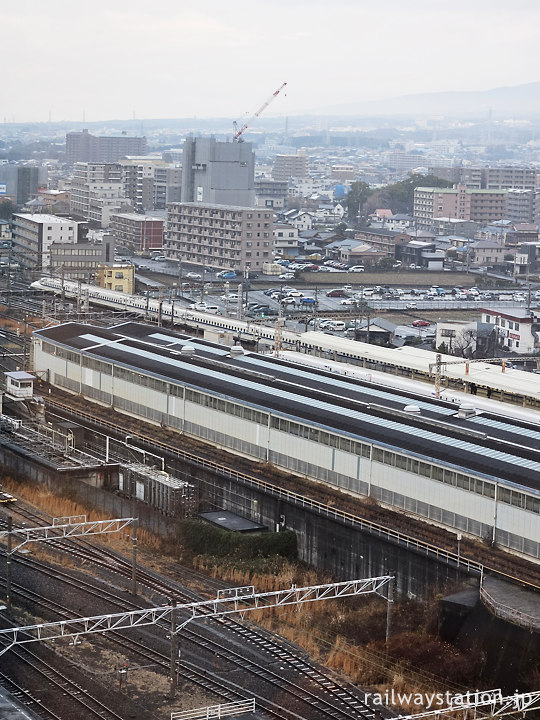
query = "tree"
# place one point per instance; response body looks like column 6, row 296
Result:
column 356, row 199
column 464, row 343
column 400, row 196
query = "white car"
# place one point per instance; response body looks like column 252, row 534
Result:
column 192, row 275
column 289, row 301
column 287, row 276
column 357, row 268
column 295, row 294
column 348, row 301
column 232, row 297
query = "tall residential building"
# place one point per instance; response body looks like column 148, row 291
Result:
column 150, row 183
column 97, row 192
column 287, row 166
column 522, row 206
column 223, row 237
column 84, row 147
column 220, row 173
column 488, row 178
column 34, row 234
column 482, row 206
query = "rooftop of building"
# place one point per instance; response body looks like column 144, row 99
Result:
column 45, row 218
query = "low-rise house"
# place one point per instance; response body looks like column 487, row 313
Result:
column 517, row 329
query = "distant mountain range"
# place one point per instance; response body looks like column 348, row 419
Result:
column 507, row 102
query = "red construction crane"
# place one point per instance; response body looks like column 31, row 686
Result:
column 237, row 137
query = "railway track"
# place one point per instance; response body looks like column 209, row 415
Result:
column 428, row 539
column 311, row 692
column 53, row 689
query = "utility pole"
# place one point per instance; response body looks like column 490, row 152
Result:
column 160, row 307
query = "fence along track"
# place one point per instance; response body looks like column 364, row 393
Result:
column 373, row 528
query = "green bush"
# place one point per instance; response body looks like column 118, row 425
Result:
column 205, row 539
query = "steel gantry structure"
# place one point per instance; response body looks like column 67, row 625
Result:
column 439, row 364
column 72, row 526
column 232, row 601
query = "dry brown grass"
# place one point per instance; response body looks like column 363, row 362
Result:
column 339, row 634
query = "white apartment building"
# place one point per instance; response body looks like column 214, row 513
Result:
column 33, row 235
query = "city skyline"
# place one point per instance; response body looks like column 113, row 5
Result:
column 167, row 60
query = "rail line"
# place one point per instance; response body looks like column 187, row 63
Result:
column 351, row 705
column 386, row 533
column 75, row 700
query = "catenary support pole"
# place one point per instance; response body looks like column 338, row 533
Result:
column 134, row 558
column 389, row 604
column 8, row 562
column 174, row 651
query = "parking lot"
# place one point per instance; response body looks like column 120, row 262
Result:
column 307, row 304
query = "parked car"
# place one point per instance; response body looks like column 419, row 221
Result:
column 411, row 306
column 232, row 297
column 225, row 274
column 308, row 301
column 337, row 292
column 287, row 276
column 295, row 293
column 190, row 275
column 349, row 301
column 421, row 323
column 357, row 268
column 288, row 301
column 337, row 325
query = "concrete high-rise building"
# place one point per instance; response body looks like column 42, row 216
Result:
column 20, row 183
column 84, row 147
column 97, row 192
column 481, row 206
column 223, row 237
column 220, row 173
column 150, row 183
column 488, row 178
column 287, row 166
column 522, row 206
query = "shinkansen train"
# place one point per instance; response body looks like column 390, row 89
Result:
column 509, row 385
column 476, row 472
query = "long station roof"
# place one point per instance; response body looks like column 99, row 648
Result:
column 489, row 445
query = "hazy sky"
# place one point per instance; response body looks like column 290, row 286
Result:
column 185, row 58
